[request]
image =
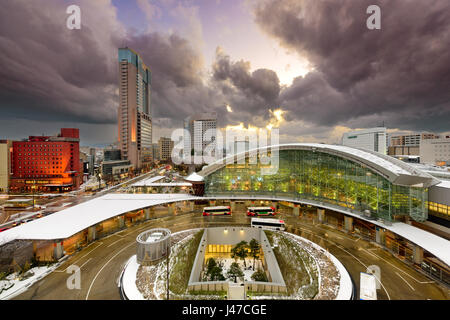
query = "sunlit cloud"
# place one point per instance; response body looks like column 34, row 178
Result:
column 276, row 118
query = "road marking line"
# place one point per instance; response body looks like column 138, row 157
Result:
column 120, row 235
column 85, row 262
column 376, row 257
column 330, row 230
column 101, row 243
column 92, row 283
column 114, row 243
column 342, row 248
column 405, row 281
column 422, row 282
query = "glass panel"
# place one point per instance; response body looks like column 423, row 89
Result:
column 325, row 178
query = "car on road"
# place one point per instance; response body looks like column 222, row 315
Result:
column 3, row 229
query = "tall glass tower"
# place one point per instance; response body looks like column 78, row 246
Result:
column 134, row 114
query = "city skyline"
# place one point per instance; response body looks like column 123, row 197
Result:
column 235, row 58
column 232, row 150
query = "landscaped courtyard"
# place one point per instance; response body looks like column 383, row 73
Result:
column 307, row 270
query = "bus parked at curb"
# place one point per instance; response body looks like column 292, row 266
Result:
column 260, row 211
column 268, row 224
column 216, row 211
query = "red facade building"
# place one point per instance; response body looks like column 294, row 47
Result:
column 47, row 164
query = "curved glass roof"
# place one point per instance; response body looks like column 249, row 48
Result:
column 396, row 171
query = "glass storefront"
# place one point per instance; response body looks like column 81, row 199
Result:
column 318, row 176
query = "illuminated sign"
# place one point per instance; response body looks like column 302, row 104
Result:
column 37, row 182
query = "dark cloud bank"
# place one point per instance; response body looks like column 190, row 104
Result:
column 399, row 74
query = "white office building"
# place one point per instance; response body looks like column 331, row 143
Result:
column 374, row 139
column 435, row 151
column 196, row 127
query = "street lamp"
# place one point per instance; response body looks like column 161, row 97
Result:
column 33, row 187
column 99, row 177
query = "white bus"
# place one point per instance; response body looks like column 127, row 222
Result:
column 261, row 211
column 270, row 224
column 214, row 211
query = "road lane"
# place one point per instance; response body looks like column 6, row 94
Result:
column 103, row 260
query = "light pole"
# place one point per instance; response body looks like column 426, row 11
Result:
column 33, row 187
column 99, row 178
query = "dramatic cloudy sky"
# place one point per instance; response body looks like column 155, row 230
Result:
column 310, row 67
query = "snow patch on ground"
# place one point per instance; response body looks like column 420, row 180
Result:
column 225, row 263
column 12, row 285
column 129, row 280
column 335, row 281
column 151, row 280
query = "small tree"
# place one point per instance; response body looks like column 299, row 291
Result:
column 211, row 263
column 235, row 271
column 214, row 271
column 216, row 274
column 240, row 251
column 254, row 250
column 260, row 275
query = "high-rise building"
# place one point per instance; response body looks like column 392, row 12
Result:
column 408, row 144
column 435, row 151
column 47, row 163
column 196, row 127
column 165, row 148
column 411, row 139
column 134, row 115
column 111, row 154
column 5, row 164
column 155, row 149
column 374, row 139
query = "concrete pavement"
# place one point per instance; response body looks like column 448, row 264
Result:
column 101, row 262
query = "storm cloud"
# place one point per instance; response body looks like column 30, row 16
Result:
column 398, row 74
column 360, row 77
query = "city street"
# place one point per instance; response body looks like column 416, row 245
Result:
column 102, row 261
column 50, row 203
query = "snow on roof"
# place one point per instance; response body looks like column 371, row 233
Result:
column 170, row 184
column 65, row 223
column 194, row 177
column 70, row 221
column 444, row 184
column 145, row 182
column 154, row 237
column 20, row 200
column 436, row 245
